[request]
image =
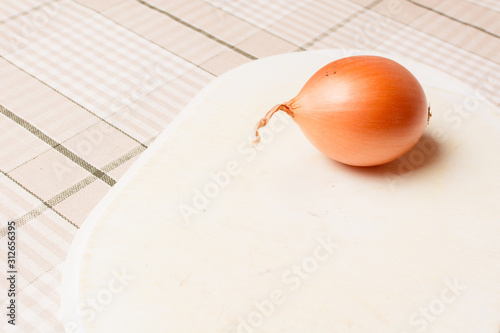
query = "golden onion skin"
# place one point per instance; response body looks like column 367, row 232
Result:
column 361, row 110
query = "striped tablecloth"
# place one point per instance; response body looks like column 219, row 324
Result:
column 87, row 85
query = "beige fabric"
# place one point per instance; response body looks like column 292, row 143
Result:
column 86, row 86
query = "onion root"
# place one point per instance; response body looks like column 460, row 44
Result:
column 429, row 113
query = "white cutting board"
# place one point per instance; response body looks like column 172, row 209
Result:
column 282, row 239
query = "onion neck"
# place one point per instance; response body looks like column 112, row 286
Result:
column 263, row 122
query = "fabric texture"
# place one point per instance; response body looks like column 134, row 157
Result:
column 87, row 85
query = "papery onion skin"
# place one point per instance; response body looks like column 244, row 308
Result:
column 360, row 110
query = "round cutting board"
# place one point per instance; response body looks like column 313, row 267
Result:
column 207, row 233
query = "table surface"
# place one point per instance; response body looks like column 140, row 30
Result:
column 226, row 225
column 86, row 86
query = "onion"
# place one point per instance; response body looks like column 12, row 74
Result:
column 360, row 110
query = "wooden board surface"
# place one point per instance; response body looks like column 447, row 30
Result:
column 208, row 234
